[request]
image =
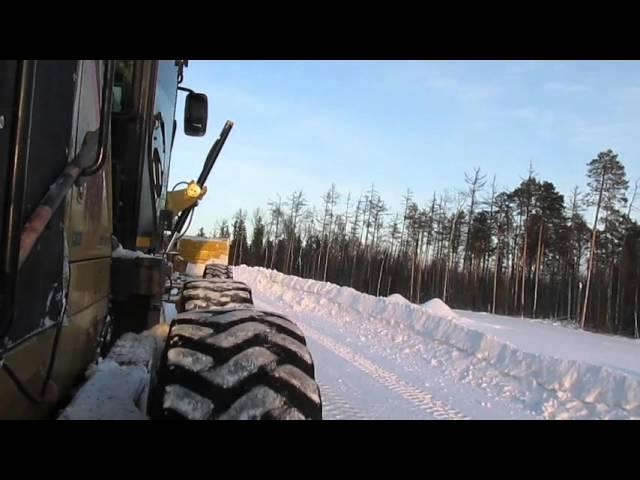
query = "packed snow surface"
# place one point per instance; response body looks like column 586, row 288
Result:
column 382, row 357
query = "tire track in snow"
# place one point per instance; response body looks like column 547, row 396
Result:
column 419, row 398
column 335, row 407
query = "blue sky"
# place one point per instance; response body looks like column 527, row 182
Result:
column 403, row 124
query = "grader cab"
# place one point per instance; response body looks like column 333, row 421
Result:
column 94, row 247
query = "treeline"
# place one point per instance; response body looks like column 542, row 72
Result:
column 528, row 251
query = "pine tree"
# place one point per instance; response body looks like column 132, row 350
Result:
column 224, row 229
column 257, row 239
column 607, row 188
column 239, row 248
column 520, row 251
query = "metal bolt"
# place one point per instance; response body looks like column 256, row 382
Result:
column 1, row 122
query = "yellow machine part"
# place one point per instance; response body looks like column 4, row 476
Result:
column 76, row 350
column 204, row 250
column 88, row 225
column 179, row 200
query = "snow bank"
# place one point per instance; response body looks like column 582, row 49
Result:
column 437, row 307
column 591, row 383
column 397, row 298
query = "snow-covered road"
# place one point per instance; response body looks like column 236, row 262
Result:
column 388, row 359
column 363, row 380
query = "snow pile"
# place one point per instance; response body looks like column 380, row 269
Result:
column 592, row 377
column 118, row 387
column 134, row 349
column 114, row 392
column 437, row 307
column 397, row 298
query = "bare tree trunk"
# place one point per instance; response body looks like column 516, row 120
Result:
column 319, row 261
column 636, row 333
column 633, row 197
column 266, row 253
column 569, row 288
column 326, row 263
column 592, row 253
column 538, row 258
column 300, row 259
column 407, row 200
column 380, row 276
column 240, row 248
column 516, row 269
column 275, row 244
column 326, row 258
column 449, row 258
column 609, row 295
column 446, row 281
column 578, row 301
column 353, row 267
column 524, row 272
column 413, row 265
column 516, row 281
column 495, row 278
column 619, row 296
column 419, row 260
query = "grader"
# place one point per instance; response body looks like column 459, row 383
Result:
column 93, row 247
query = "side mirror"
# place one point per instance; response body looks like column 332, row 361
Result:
column 195, row 114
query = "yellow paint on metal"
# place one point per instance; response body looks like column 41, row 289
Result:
column 179, row 200
column 89, row 283
column 88, row 224
column 204, row 250
column 143, row 242
column 29, row 360
column 88, row 216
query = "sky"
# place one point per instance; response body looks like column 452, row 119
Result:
column 402, row 124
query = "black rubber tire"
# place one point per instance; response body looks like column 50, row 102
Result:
column 217, row 270
column 235, row 364
column 211, row 293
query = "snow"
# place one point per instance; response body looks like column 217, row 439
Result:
column 438, row 308
column 482, row 365
column 133, row 349
column 397, row 298
column 118, row 387
column 112, row 393
column 195, row 269
column 386, row 358
column 169, row 311
column 124, row 253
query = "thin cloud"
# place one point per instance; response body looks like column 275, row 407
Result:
column 567, row 87
column 423, row 77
